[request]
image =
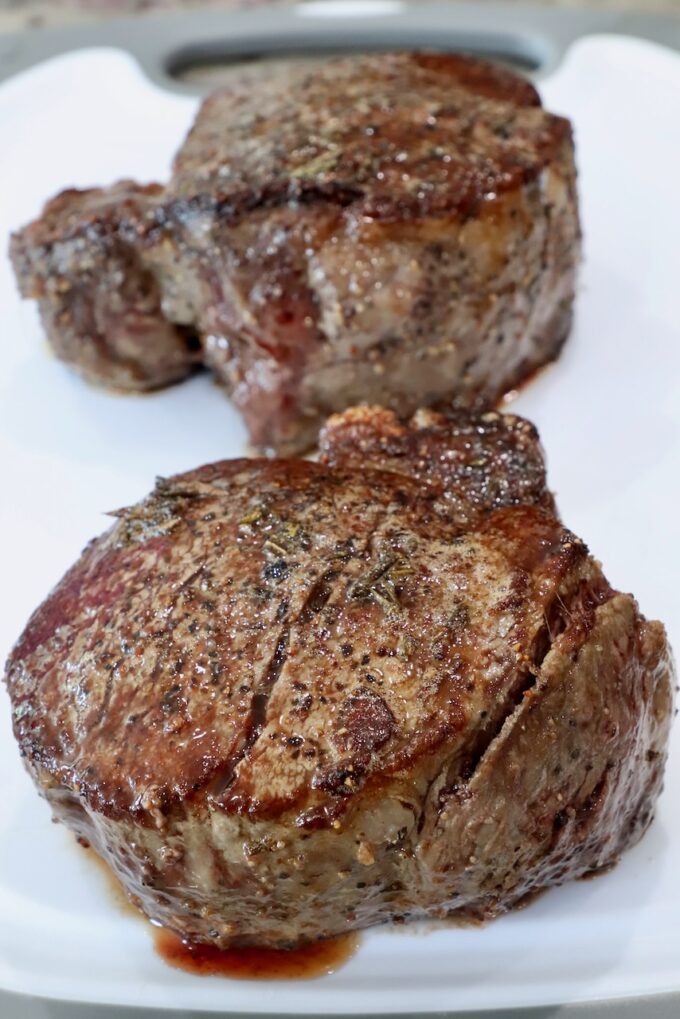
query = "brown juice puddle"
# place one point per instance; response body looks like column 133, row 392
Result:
column 519, row 388
column 306, row 963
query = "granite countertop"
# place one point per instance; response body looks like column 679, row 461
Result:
column 16, row 15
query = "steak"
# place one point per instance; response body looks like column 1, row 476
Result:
column 287, row 699
column 398, row 228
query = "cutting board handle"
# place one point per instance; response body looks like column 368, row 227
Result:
column 535, row 38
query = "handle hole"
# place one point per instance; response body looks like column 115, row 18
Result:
column 212, row 64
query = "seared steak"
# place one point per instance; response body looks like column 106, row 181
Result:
column 287, row 699
column 477, row 462
column 397, row 228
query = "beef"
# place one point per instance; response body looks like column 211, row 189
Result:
column 286, row 699
column 398, row 229
column 481, row 463
column 100, row 303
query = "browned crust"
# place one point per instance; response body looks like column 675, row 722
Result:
column 478, row 462
column 446, row 169
column 444, row 132
column 92, row 214
column 171, row 609
column 479, row 76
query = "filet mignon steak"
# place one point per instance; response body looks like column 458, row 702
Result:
column 398, row 228
column 286, row 699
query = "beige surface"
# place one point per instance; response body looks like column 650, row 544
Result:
column 16, row 15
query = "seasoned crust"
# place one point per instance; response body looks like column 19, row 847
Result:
column 448, row 131
column 475, row 75
column 101, row 305
column 199, row 621
column 478, row 462
column 404, row 135
column 82, row 212
column 213, row 631
column 235, row 171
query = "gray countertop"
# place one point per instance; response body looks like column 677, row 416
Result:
column 16, row 15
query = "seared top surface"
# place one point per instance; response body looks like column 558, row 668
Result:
column 125, row 208
column 479, row 462
column 396, row 136
column 277, row 635
column 402, row 133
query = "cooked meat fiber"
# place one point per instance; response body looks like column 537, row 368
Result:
column 398, row 229
column 286, row 699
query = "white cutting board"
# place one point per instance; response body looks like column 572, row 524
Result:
column 609, row 415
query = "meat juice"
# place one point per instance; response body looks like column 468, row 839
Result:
column 306, row 963
column 314, row 960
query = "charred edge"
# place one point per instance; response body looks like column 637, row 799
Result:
column 258, row 715
column 106, row 699
column 234, row 207
column 457, row 784
column 558, row 618
column 261, row 698
column 191, row 340
column 317, row 597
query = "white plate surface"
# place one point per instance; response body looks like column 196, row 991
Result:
column 609, row 414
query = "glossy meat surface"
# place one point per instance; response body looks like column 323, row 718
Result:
column 402, row 133
column 477, row 462
column 286, row 699
column 397, row 228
